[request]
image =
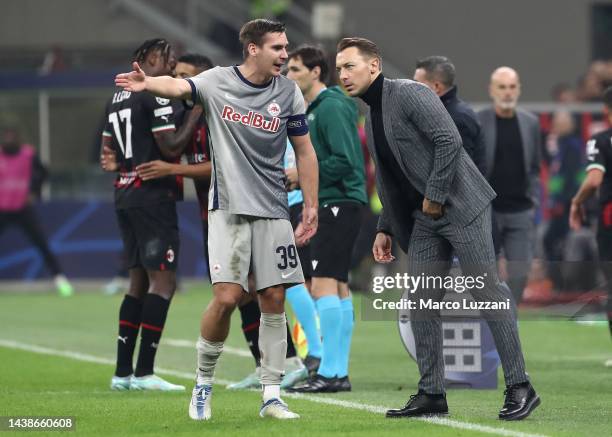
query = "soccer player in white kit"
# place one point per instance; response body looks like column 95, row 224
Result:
column 250, row 109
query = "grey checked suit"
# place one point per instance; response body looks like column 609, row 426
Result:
column 426, row 144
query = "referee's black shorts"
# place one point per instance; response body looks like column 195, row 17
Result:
column 295, row 213
column 332, row 246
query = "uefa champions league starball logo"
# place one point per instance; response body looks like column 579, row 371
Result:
column 470, row 357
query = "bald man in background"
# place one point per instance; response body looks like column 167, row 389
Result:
column 512, row 148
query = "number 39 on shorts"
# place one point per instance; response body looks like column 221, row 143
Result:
column 287, row 257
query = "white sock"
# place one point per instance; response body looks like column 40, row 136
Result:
column 273, row 347
column 271, row 392
column 208, row 354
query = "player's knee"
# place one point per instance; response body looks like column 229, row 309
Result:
column 136, row 293
column 166, row 291
column 162, row 283
column 272, row 300
column 225, row 301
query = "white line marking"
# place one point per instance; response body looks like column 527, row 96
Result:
column 563, row 358
column 245, row 353
column 89, row 358
column 434, row 420
column 321, row 400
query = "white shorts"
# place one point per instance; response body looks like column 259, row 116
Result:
column 240, row 244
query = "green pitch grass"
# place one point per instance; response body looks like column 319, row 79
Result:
column 564, row 359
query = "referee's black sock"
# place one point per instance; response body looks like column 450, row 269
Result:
column 154, row 312
column 129, row 322
column 250, row 315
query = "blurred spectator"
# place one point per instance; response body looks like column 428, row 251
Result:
column 438, row 73
column 53, row 61
column 21, row 178
column 589, row 88
column 512, row 143
column 595, row 80
column 563, row 93
column 563, row 153
column 602, row 70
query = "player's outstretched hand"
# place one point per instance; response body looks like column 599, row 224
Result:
column 132, row 81
column 154, row 170
column 108, row 159
column 307, row 227
column 382, row 248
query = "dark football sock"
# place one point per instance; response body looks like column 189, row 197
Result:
column 129, row 323
column 154, row 312
column 250, row 315
column 290, row 346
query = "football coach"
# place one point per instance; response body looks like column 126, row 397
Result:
column 435, row 204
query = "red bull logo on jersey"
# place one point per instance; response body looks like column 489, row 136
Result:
column 252, row 119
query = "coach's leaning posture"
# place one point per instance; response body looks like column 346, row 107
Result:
column 435, row 201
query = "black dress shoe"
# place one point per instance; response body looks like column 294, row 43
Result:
column 315, row 384
column 312, row 364
column 422, row 404
column 521, row 400
column 343, row 384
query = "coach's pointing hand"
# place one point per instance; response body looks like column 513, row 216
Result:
column 132, row 81
column 382, row 248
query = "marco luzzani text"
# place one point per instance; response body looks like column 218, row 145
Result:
column 423, row 283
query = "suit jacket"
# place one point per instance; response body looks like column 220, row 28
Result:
column 427, row 146
column 529, row 127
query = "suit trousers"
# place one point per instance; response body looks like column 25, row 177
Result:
column 432, row 246
column 515, row 231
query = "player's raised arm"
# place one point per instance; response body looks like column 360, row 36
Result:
column 161, row 86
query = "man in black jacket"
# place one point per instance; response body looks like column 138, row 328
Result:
column 438, row 73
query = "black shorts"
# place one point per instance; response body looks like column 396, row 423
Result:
column 150, row 236
column 295, row 213
column 604, row 243
column 604, row 233
column 332, row 246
